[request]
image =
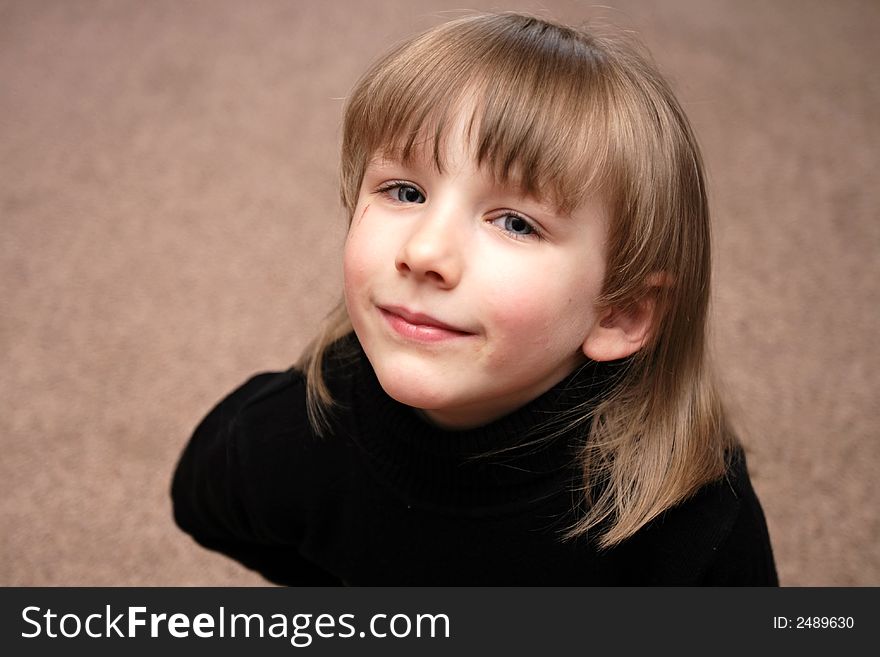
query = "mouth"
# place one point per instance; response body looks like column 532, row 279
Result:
column 420, row 327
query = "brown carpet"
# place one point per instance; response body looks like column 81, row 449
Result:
column 170, row 225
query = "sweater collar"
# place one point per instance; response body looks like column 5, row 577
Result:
column 520, row 459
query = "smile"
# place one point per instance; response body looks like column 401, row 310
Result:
column 419, row 327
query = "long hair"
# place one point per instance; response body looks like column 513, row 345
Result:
column 568, row 115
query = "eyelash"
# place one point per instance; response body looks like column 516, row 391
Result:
column 389, row 186
column 386, row 187
column 534, row 235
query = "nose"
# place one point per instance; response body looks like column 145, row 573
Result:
column 433, row 251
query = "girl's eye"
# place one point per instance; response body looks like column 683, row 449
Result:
column 516, row 225
column 403, row 193
column 408, row 194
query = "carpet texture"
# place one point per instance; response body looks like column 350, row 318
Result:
column 171, row 224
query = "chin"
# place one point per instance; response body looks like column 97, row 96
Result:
column 412, row 394
column 408, row 386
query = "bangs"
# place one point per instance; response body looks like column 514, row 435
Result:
column 531, row 102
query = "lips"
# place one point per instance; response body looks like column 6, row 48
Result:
column 419, row 326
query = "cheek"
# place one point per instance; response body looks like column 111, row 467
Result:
column 357, row 280
column 352, row 270
column 540, row 312
column 358, row 257
column 356, row 287
column 353, row 265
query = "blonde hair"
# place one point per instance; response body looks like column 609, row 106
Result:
column 565, row 114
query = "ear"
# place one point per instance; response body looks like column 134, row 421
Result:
column 620, row 331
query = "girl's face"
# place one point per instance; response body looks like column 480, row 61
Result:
column 469, row 298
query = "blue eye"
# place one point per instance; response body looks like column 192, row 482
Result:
column 406, row 194
column 515, row 224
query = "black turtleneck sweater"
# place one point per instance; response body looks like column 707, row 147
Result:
column 390, row 499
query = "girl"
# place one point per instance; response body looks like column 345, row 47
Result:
column 515, row 389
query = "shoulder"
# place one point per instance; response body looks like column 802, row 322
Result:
column 243, row 427
column 264, row 401
column 269, row 402
column 745, row 556
column 717, row 537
